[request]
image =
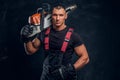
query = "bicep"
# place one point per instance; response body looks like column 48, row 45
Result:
column 81, row 50
column 36, row 43
column 32, row 47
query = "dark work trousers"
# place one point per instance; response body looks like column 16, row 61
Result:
column 51, row 63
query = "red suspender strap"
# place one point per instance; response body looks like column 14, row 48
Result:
column 65, row 43
column 66, row 40
column 46, row 40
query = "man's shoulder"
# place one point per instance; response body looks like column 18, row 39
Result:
column 44, row 30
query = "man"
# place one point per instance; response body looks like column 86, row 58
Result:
column 58, row 48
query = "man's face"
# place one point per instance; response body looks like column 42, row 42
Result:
column 58, row 17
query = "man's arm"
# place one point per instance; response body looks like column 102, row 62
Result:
column 32, row 46
column 31, row 42
column 70, row 70
column 83, row 57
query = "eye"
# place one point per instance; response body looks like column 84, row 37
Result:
column 61, row 15
column 54, row 14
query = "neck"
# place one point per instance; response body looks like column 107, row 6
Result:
column 59, row 28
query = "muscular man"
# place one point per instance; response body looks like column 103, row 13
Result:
column 59, row 42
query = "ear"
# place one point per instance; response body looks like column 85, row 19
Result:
column 66, row 16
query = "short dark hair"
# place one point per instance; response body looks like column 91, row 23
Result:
column 59, row 6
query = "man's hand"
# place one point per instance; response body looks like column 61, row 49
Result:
column 35, row 20
column 65, row 72
column 29, row 32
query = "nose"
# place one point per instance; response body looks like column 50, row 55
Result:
column 58, row 17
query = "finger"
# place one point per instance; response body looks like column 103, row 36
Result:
column 37, row 20
column 34, row 20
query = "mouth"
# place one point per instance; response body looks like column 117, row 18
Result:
column 57, row 22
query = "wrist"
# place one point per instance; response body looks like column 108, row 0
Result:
column 26, row 40
column 71, row 67
column 74, row 66
column 68, row 72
